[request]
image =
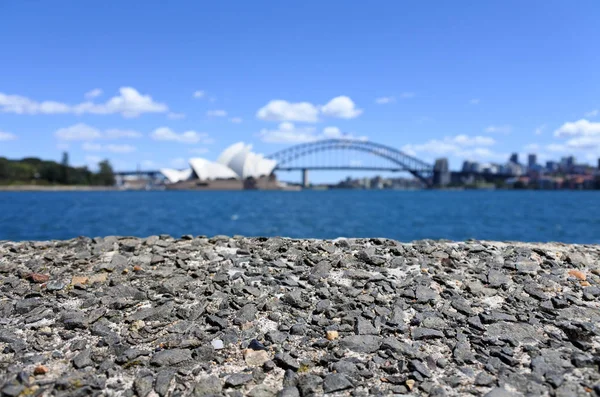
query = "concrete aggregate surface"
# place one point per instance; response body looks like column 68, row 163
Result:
column 235, row 316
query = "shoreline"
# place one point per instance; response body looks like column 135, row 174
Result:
column 290, row 317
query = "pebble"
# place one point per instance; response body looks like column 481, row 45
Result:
column 217, row 344
column 256, row 358
column 578, row 274
column 163, row 316
column 38, row 278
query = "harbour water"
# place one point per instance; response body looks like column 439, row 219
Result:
column 563, row 216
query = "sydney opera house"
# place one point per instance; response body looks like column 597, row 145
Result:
column 236, row 168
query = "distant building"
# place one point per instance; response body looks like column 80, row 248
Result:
column 441, row 172
column 513, row 168
column 531, row 160
column 514, row 158
column 366, row 183
column 551, row 166
column 566, row 163
column 599, row 163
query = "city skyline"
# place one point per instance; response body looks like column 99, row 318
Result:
column 445, row 81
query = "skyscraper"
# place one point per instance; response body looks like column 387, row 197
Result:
column 514, row 158
column 531, row 160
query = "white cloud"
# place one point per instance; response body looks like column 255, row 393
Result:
column 91, row 147
column 7, row 136
column 540, row 130
column 592, row 113
column 175, row 116
column 332, row 132
column 460, row 146
column 407, row 95
column 199, row 94
column 115, row 133
column 385, row 99
column 581, row 127
column 289, row 133
column 236, row 120
column 129, row 103
column 532, row 147
column 112, row 148
column 554, row 147
column 280, row 110
column 475, row 101
column 464, row 140
column 584, row 142
column 216, row 113
column 167, row 134
column 179, row 162
column 93, row 161
column 84, row 132
column 148, row 164
column 78, row 132
column 342, row 107
column 199, row 150
column 96, row 92
column 499, row 129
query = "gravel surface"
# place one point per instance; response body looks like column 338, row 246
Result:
column 264, row 317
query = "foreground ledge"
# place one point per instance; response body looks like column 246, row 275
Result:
column 267, row 316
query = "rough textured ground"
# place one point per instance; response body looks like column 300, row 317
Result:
column 258, row 317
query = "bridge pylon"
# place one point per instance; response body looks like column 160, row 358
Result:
column 305, row 182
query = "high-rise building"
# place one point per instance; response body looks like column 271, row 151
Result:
column 466, row 167
column 531, row 160
column 514, row 158
column 551, row 166
column 599, row 163
column 441, row 174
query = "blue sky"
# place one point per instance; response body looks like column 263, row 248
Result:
column 154, row 83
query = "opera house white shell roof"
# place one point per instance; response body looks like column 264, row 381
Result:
column 237, row 161
column 205, row 170
column 174, row 176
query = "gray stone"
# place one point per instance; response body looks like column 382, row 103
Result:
column 484, row 379
column 361, row 343
column 245, row 314
column 208, row 386
column 83, row 359
column 237, row 380
column 142, row 385
column 290, row 391
column 419, row 333
column 171, row 357
column 163, row 382
column 285, row 361
column 310, row 385
column 501, row 392
column 336, row 382
column 363, row 326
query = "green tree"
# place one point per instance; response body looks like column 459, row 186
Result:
column 106, row 175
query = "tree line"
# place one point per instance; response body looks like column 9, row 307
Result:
column 33, row 170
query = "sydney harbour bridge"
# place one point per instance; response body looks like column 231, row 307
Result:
column 340, row 154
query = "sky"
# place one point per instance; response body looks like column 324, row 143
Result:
column 153, row 83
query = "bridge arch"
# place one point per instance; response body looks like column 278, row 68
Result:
column 399, row 161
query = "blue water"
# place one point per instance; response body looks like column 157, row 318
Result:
column 565, row 216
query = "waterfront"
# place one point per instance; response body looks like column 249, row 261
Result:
column 564, row 216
